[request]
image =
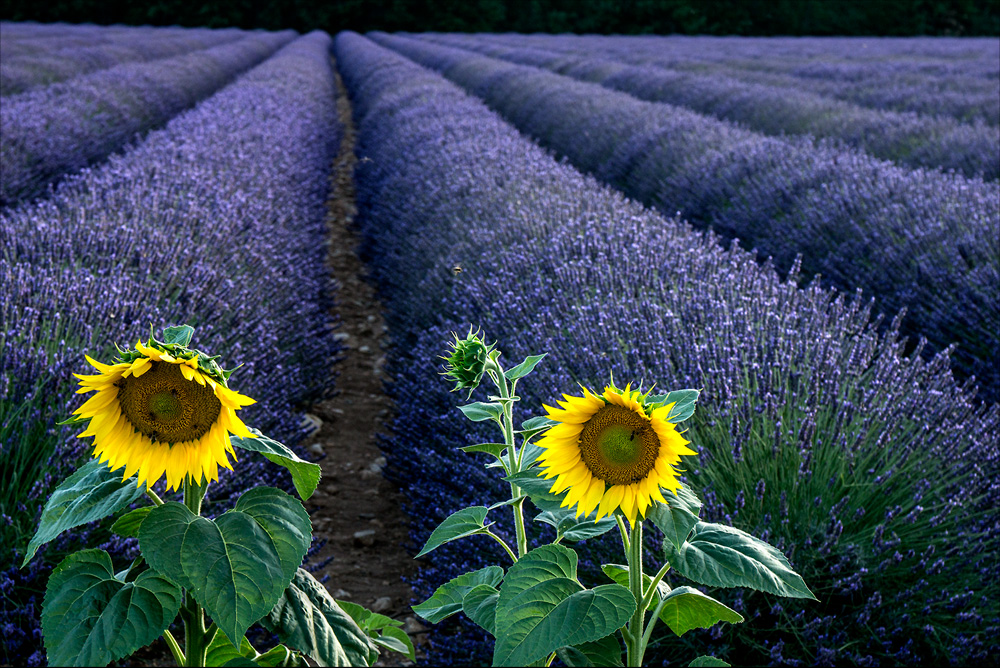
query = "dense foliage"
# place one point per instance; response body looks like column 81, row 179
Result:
column 217, row 220
column 715, row 17
column 863, row 463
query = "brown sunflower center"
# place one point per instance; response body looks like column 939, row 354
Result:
column 167, row 407
column 619, row 445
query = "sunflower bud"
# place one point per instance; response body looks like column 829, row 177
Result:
column 467, row 362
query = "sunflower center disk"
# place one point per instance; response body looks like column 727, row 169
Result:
column 619, row 445
column 167, row 407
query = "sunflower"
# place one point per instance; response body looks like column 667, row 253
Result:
column 611, row 451
column 162, row 409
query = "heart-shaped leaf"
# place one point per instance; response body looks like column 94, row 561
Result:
column 92, row 493
column 678, row 516
column 722, row 556
column 305, row 475
column 462, row 523
column 127, row 526
column 542, row 607
column 686, row 608
column 604, row 652
column 90, row 618
column 447, row 599
column 308, row 619
column 236, row 566
column 480, row 605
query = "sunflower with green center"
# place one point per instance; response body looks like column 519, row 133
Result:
column 611, row 451
column 162, row 409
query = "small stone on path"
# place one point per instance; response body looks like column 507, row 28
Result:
column 382, row 604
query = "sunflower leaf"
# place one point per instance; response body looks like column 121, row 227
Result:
column 683, row 401
column 604, row 652
column 127, row 526
column 465, row 522
column 570, row 527
column 180, row 335
column 384, row 631
column 619, row 573
column 449, row 597
column 236, row 566
column 480, row 411
column 480, row 605
column 537, row 489
column 524, row 368
column 91, row 618
column 542, row 607
column 706, row 661
column 221, row 650
column 534, row 426
column 305, row 475
column 686, row 608
column 308, row 619
column 495, row 449
column 92, row 493
column 722, row 556
column 677, row 517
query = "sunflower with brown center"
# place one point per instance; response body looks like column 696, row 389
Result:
column 156, row 413
column 611, row 451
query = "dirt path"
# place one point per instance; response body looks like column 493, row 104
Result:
column 357, row 510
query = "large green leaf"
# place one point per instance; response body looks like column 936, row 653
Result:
column 447, row 599
column 570, row 527
column 537, row 488
column 462, row 523
column 604, row 652
column 90, row 618
column 525, row 367
column 384, row 631
column 683, row 401
column 221, row 651
column 686, row 608
column 305, row 475
column 678, row 516
column 127, row 526
column 308, row 619
column 236, row 566
column 542, row 608
column 480, row 605
column 92, row 493
column 721, row 556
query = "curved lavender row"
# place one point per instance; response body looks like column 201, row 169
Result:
column 905, row 138
column 924, row 241
column 959, row 88
column 557, row 262
column 21, row 73
column 50, row 131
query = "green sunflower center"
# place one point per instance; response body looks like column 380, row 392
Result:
column 167, row 407
column 619, row 445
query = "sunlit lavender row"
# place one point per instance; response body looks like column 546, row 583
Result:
column 217, row 220
column 33, row 68
column 817, row 431
column 47, row 132
column 935, row 76
column 907, row 139
column 914, row 239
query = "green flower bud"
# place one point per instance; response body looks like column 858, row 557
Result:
column 467, row 361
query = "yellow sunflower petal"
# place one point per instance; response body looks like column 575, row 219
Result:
column 611, row 500
column 593, row 497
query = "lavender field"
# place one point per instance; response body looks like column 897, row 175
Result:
column 807, row 229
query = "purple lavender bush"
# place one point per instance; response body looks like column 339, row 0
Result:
column 907, row 139
column 216, row 220
column 67, row 57
column 916, row 240
column 801, row 390
column 48, row 132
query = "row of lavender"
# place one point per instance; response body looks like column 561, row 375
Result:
column 24, row 66
column 217, row 220
column 815, row 430
column 924, row 241
column 947, row 77
column 905, row 138
column 47, row 132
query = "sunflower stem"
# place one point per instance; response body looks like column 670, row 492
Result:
column 503, row 544
column 175, row 649
column 195, row 638
column 635, row 648
column 154, row 497
column 651, row 592
column 623, row 530
column 496, row 372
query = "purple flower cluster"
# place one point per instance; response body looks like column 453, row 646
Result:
column 906, row 138
column 48, row 132
column 797, row 379
column 30, row 61
column 917, row 240
column 932, row 76
column 217, row 220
